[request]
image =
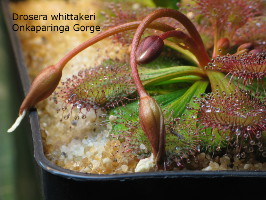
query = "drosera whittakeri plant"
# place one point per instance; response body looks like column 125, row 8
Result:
column 213, row 103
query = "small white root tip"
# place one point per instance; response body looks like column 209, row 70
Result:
column 17, row 122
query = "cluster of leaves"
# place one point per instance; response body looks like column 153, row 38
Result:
column 220, row 108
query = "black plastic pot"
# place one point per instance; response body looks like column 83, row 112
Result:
column 59, row 183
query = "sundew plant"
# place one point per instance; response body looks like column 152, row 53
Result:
column 194, row 81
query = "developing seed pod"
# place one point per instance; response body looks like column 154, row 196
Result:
column 41, row 88
column 102, row 87
column 149, row 49
column 152, row 123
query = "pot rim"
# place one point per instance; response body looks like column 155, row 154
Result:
column 48, row 166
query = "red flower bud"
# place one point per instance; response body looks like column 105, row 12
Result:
column 149, row 49
column 152, row 123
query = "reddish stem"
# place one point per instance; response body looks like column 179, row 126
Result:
column 117, row 29
column 174, row 33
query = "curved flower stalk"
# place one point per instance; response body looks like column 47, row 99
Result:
column 48, row 79
column 182, row 109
